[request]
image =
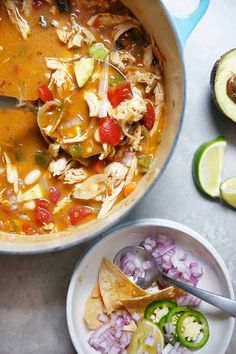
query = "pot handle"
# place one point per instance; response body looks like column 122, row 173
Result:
column 185, row 25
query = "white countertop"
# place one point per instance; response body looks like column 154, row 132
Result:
column 33, row 288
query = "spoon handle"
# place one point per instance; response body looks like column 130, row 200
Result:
column 7, row 102
column 225, row 304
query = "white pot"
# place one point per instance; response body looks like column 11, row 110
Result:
column 170, row 34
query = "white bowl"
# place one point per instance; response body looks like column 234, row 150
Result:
column 215, row 278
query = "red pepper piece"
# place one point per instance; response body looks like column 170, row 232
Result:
column 28, row 228
column 42, row 216
column 149, row 118
column 78, row 214
column 43, row 203
column 110, row 132
column 54, row 195
column 45, row 94
column 119, row 93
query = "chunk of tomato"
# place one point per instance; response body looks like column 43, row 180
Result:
column 110, row 132
column 43, row 203
column 149, row 118
column 45, row 94
column 78, row 214
column 54, row 195
column 42, row 216
column 119, row 93
column 28, row 228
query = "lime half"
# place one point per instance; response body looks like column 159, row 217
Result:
column 207, row 166
column 146, row 339
column 228, row 191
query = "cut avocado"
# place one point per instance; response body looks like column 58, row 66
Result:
column 35, row 192
column 83, row 70
column 223, row 84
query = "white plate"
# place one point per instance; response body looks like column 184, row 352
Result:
column 216, row 278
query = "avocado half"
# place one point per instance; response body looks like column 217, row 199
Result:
column 223, row 84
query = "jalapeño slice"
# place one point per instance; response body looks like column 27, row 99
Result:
column 158, row 309
column 191, row 326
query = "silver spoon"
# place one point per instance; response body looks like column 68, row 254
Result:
column 153, row 275
column 7, row 102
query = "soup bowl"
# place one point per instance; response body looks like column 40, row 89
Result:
column 170, row 34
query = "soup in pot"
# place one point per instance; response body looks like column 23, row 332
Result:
column 95, row 77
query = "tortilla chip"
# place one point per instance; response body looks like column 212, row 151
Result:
column 93, row 307
column 139, row 304
column 115, row 285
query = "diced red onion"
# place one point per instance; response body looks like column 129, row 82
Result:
column 188, row 300
column 103, row 318
column 128, row 158
column 169, row 327
column 150, row 340
column 110, row 338
column 136, row 316
column 167, row 349
column 169, row 338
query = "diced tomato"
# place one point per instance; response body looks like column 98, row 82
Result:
column 28, row 228
column 45, row 94
column 42, row 216
column 110, row 132
column 78, row 214
column 96, row 22
column 119, row 93
column 43, row 203
column 54, row 195
column 149, row 118
column 99, row 166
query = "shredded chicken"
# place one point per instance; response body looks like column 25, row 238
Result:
column 57, row 167
column 75, row 35
column 148, row 79
column 159, row 103
column 93, row 103
column 17, row 20
column 131, row 110
column 109, row 201
column 49, row 227
column 119, row 59
column 4, row 201
column 134, row 136
column 12, row 173
column 74, row 175
column 95, row 188
column 121, row 28
column 148, row 56
column 61, row 204
column 108, row 19
column 53, row 150
column 62, row 80
column 132, row 170
column 116, row 172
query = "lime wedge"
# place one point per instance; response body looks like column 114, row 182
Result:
column 207, row 166
column 146, row 339
column 228, row 191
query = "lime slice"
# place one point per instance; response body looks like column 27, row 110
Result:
column 228, row 191
column 146, row 339
column 207, row 166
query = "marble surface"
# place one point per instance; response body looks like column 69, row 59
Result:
column 33, row 289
